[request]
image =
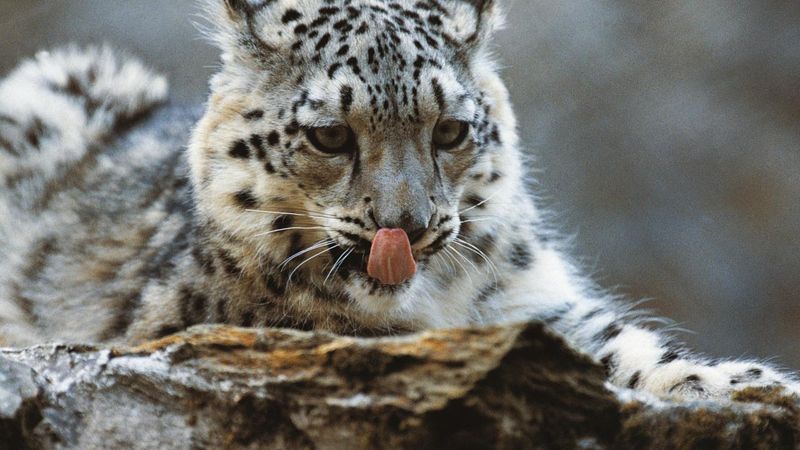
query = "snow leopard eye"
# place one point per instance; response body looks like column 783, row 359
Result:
column 334, row 140
column 449, row 134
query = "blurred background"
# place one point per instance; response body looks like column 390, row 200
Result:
column 666, row 137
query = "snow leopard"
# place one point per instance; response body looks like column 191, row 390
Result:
column 356, row 170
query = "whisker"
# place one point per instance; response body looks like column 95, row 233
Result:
column 333, row 267
column 439, row 256
column 479, row 204
column 338, row 263
column 286, row 213
column 472, row 216
column 480, row 253
column 289, row 229
column 446, row 265
column 304, row 210
column 450, row 266
column 466, row 272
column 483, row 216
column 469, row 261
column 313, row 247
column 472, row 247
column 347, row 255
column 289, row 279
column 484, row 219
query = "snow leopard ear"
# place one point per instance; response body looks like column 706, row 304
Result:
column 258, row 28
column 473, row 22
column 237, row 27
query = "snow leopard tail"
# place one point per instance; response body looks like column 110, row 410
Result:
column 58, row 108
column 58, row 112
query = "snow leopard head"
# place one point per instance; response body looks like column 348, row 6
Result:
column 332, row 119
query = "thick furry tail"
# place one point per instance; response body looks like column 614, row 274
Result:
column 55, row 107
column 58, row 113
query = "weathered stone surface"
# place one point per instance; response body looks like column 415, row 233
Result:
column 214, row 386
column 19, row 402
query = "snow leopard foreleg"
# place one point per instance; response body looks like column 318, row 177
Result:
column 638, row 356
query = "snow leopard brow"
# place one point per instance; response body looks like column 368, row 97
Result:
column 248, row 12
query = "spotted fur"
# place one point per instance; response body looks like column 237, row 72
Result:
column 111, row 232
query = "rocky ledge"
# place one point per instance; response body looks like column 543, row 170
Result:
column 214, row 386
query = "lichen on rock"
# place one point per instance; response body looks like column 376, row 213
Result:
column 516, row 386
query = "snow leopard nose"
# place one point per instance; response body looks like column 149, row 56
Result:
column 415, row 225
column 400, row 188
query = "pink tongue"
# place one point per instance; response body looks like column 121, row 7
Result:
column 390, row 258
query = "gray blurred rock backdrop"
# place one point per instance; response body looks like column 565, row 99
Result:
column 665, row 135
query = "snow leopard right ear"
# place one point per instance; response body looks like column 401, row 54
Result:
column 256, row 30
column 227, row 23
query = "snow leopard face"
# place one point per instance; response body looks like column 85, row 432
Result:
column 333, row 119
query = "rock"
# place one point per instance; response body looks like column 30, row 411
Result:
column 19, row 402
column 214, row 386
